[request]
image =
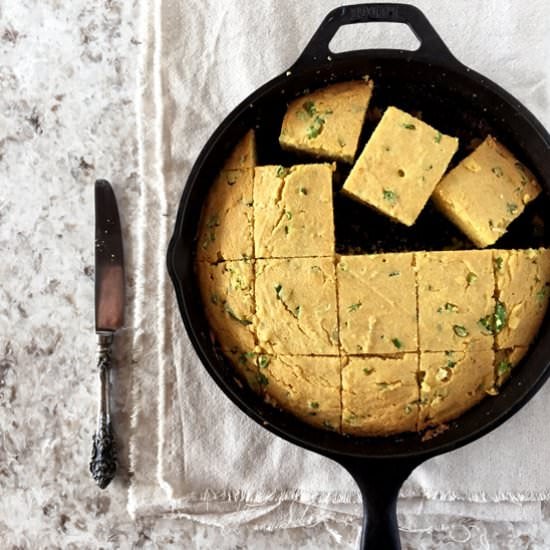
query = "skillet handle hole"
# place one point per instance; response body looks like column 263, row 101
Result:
column 373, row 35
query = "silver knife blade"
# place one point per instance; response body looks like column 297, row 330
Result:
column 109, row 261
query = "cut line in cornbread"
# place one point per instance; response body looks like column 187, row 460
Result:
column 456, row 304
column 400, row 166
column 227, row 291
column 308, row 387
column 327, row 123
column 485, row 192
column 377, row 303
column 296, row 306
column 379, row 394
column 293, row 212
column 523, row 290
column 452, row 382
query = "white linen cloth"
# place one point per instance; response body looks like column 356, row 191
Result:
column 192, row 452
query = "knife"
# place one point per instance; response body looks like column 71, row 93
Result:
column 109, row 317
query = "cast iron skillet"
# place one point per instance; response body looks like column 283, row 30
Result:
column 457, row 101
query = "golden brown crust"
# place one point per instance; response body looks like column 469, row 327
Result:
column 377, row 304
column 400, row 166
column 293, row 213
column 379, row 394
column 327, row 123
column 486, row 192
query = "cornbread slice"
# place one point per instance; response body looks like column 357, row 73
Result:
column 225, row 230
column 296, row 306
column 244, row 154
column 452, row 382
column 377, row 303
column 308, row 387
column 293, row 214
column 228, row 299
column 379, row 394
column 486, row 192
column 523, row 289
column 505, row 361
column 455, row 300
column 327, row 123
column 400, row 166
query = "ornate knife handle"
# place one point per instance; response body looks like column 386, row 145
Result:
column 103, row 462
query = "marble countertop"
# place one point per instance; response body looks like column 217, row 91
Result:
column 67, row 117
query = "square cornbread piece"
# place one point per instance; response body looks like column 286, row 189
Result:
column 225, row 230
column 308, row 387
column 327, row 123
column 293, row 214
column 379, row 395
column 227, row 291
column 243, row 155
column 523, row 290
column 455, row 299
column 451, row 382
column 377, row 303
column 400, row 166
column 296, row 306
column 486, row 192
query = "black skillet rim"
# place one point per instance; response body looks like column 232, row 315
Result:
column 533, row 375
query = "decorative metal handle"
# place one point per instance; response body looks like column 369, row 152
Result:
column 103, row 461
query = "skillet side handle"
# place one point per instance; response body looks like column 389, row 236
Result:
column 380, row 482
column 432, row 48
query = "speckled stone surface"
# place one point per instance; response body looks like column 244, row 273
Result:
column 67, row 116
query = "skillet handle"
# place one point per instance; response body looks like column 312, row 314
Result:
column 380, row 482
column 432, row 48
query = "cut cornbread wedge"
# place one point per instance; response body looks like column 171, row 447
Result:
column 293, row 214
column 486, row 192
column 505, row 361
column 523, row 290
column 377, row 303
column 228, row 299
column 228, row 207
column 308, row 387
column 379, row 394
column 400, row 166
column 244, row 154
column 455, row 299
column 296, row 306
column 452, row 382
column 327, row 123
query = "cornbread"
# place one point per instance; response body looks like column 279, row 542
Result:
column 523, row 289
column 486, row 192
column 228, row 299
column 379, row 395
column 243, row 155
column 296, row 306
column 228, row 207
column 327, row 123
column 377, row 303
column 455, row 300
column 293, row 214
column 400, row 166
column 308, row 387
column 451, row 382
